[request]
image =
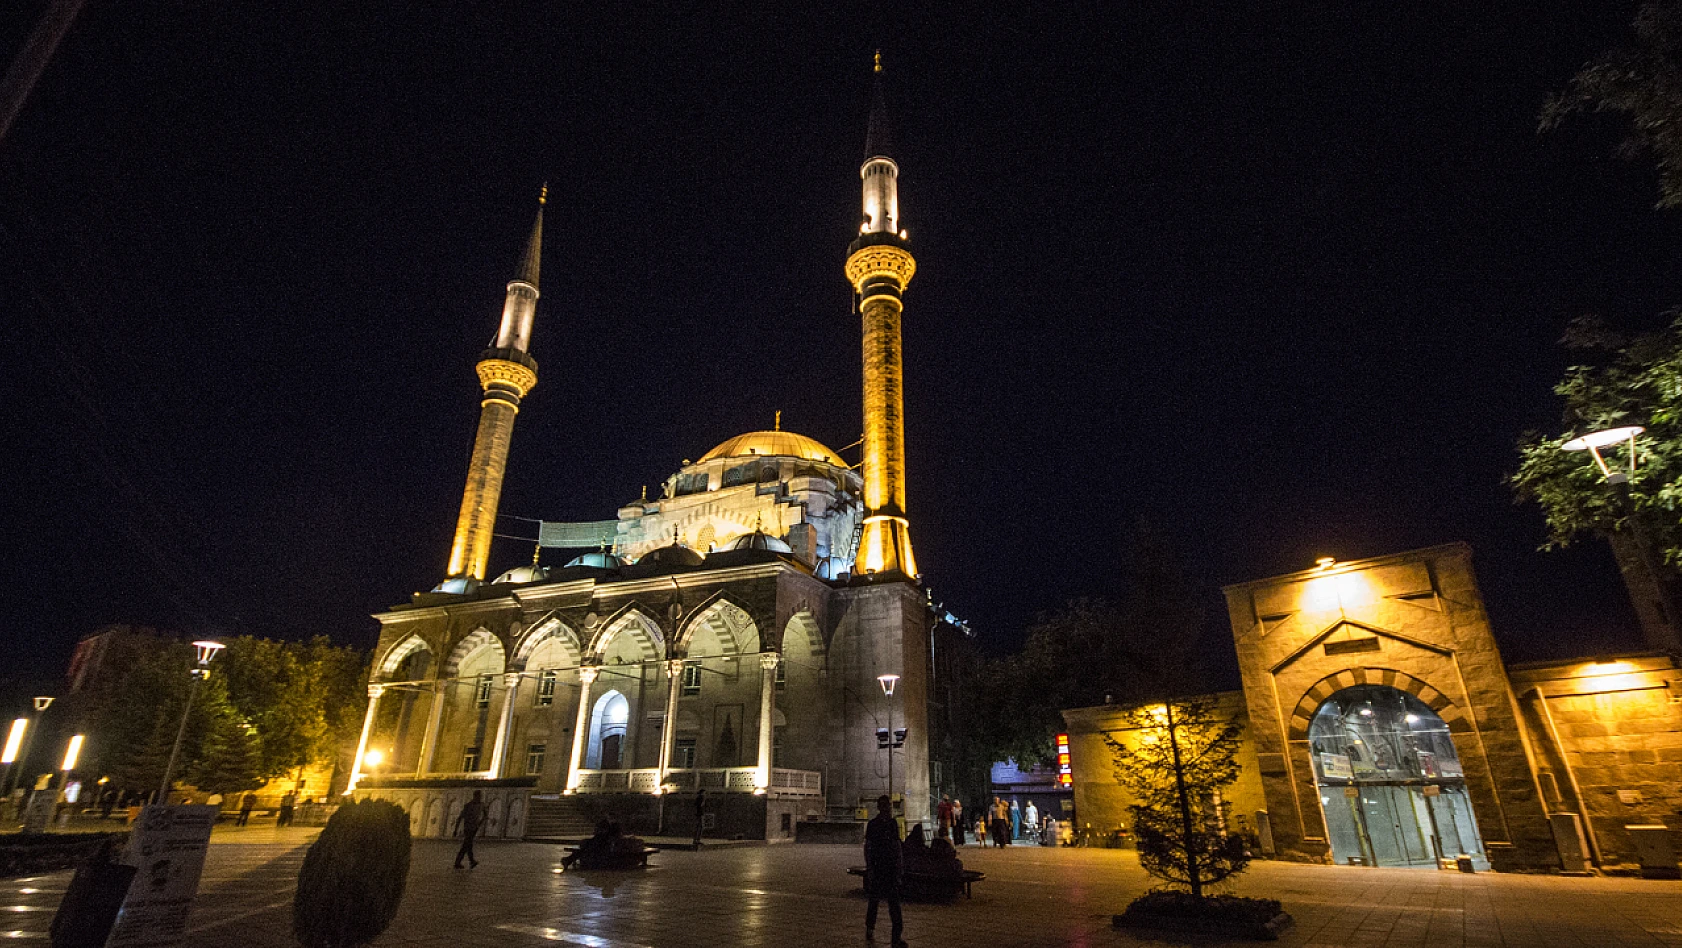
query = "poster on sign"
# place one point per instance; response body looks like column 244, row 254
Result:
column 167, row 849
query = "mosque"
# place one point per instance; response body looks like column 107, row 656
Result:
column 759, row 630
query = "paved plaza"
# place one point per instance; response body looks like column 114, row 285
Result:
column 801, row 896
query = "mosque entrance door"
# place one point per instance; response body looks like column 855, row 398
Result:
column 1390, row 781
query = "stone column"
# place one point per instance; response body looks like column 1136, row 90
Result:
column 434, row 720
column 586, row 678
column 504, row 725
column 374, row 692
column 767, row 712
column 668, row 730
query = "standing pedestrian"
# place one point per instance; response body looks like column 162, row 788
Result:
column 883, row 862
column 471, row 818
column 288, row 806
column 246, row 805
column 1031, row 821
column 1001, row 822
column 700, row 810
column 1015, row 820
column 943, row 814
column 957, row 822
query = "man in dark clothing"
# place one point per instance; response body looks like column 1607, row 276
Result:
column 288, row 805
column 700, row 810
column 469, row 822
column 883, row 861
column 246, row 805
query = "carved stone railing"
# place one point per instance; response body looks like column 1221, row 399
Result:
column 796, row 783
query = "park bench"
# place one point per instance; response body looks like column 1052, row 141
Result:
column 619, row 860
column 933, row 887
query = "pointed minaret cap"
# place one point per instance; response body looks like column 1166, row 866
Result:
column 534, row 247
column 877, row 142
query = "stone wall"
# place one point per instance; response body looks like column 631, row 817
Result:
column 1413, row 621
column 1607, row 739
column 1100, row 800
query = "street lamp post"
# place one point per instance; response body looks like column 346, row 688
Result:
column 888, row 682
column 206, row 652
column 1619, row 479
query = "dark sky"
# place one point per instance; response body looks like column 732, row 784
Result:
column 1285, row 279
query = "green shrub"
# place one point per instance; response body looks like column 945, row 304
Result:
column 353, row 877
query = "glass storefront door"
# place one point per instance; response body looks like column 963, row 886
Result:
column 1389, row 781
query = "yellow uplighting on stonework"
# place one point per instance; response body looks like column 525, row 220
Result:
column 1338, row 591
column 777, row 443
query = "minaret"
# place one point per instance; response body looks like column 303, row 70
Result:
column 507, row 372
column 880, row 265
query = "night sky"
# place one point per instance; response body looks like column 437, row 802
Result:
column 1286, row 280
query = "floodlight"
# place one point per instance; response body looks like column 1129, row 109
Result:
column 14, row 741
column 888, row 682
column 71, row 753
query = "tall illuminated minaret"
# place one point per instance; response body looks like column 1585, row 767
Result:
column 507, row 372
column 880, row 265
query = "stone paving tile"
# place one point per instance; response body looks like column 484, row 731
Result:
column 801, row 897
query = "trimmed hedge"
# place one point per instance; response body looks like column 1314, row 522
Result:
column 1224, row 908
column 353, row 877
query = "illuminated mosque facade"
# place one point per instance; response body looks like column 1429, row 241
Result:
column 739, row 633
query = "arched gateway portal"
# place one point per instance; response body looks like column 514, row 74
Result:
column 1390, row 781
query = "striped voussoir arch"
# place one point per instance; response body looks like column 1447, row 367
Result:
column 1350, row 677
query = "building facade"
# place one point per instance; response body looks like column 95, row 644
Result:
column 1382, row 728
column 758, row 631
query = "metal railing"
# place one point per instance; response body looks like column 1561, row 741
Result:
column 798, row 783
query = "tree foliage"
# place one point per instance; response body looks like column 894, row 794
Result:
column 1175, row 758
column 353, row 876
column 1642, row 79
column 266, row 709
column 1627, row 381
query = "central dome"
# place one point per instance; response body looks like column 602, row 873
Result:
column 782, row 444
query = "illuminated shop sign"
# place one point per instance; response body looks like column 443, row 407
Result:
column 1065, row 773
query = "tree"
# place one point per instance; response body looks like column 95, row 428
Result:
column 1175, row 760
column 1642, row 78
column 228, row 755
column 1632, row 381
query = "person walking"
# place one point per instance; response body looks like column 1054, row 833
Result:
column 1001, row 822
column 1031, row 821
column 957, row 822
column 1015, row 820
column 883, row 865
column 288, row 807
column 469, row 821
column 246, row 805
column 943, row 815
column 700, row 810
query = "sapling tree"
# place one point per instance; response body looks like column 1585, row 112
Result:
column 1175, row 758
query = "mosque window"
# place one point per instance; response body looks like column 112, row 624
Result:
column 546, row 690
column 482, row 693
column 742, row 474
column 470, row 760
column 683, row 755
column 770, row 472
column 695, row 483
column 781, row 675
column 534, row 758
column 692, row 678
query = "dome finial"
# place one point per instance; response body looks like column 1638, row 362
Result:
column 878, row 61
column 536, row 553
column 777, row 423
column 543, row 195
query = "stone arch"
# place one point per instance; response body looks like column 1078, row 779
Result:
column 635, row 622
column 802, row 642
column 399, row 653
column 480, row 638
column 551, row 629
column 1311, row 700
column 728, row 620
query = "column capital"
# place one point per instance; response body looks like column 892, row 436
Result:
column 674, row 667
column 375, row 689
column 511, row 678
column 587, row 674
column 770, row 660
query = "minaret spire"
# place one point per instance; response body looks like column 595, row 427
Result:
column 880, row 266
column 507, row 373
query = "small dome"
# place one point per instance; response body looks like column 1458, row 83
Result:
column 782, row 444
column 758, row 540
column 674, row 555
column 601, row 559
column 522, row 574
column 461, row 585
